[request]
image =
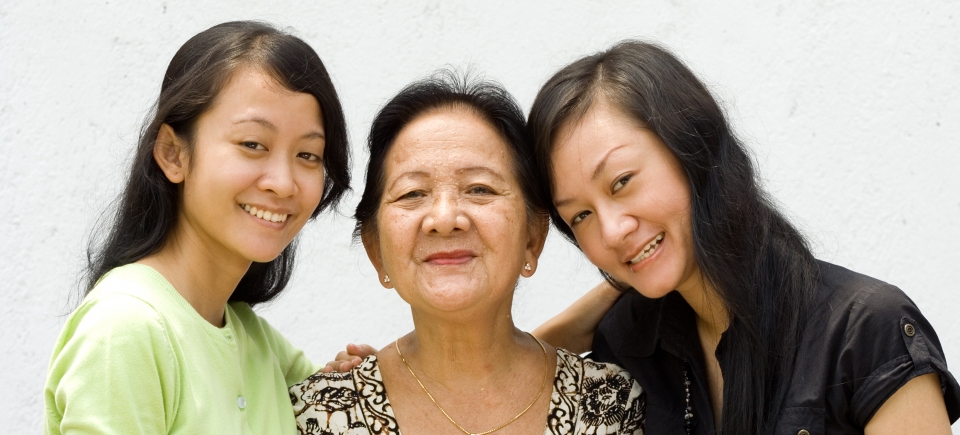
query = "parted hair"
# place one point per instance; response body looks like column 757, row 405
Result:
column 759, row 264
column 145, row 213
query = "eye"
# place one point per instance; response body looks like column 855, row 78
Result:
column 413, row 194
column 622, row 181
column 309, row 157
column 579, row 217
column 480, row 190
column 252, row 145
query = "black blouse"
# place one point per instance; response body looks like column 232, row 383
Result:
column 863, row 340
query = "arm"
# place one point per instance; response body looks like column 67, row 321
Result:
column 112, row 372
column 916, row 408
column 573, row 328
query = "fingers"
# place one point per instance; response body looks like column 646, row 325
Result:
column 360, row 350
column 342, row 365
column 350, row 358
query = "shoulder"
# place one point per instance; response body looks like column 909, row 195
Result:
column 845, row 292
column 123, row 303
column 339, row 403
column 878, row 340
column 610, row 400
column 865, row 312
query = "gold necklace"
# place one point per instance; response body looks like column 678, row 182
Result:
column 543, row 383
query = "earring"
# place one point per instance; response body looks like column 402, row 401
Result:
column 527, row 267
column 386, row 278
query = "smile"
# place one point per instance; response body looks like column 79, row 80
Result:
column 265, row 214
column 648, row 250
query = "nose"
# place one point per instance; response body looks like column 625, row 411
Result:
column 445, row 216
column 278, row 177
column 614, row 227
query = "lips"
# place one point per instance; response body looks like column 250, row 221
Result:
column 446, row 258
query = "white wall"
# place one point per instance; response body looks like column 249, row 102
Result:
column 852, row 109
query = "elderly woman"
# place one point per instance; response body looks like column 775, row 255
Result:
column 451, row 217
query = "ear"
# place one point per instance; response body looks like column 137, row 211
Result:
column 170, row 152
column 371, row 244
column 537, row 231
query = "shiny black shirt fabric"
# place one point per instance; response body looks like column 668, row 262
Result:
column 856, row 352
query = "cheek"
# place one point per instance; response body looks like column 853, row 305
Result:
column 398, row 232
column 310, row 183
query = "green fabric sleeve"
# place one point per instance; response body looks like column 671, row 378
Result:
column 293, row 362
column 113, row 371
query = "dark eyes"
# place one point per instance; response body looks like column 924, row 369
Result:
column 480, row 190
column 412, row 195
column 252, row 145
column 309, row 157
column 622, row 181
column 579, row 217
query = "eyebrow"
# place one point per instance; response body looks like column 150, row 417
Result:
column 484, row 169
column 316, row 134
column 596, row 173
column 405, row 175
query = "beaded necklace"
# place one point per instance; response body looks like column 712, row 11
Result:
column 688, row 412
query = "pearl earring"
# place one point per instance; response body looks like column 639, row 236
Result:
column 527, row 267
column 386, row 278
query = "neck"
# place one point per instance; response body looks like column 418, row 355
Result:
column 206, row 279
column 455, row 348
column 712, row 315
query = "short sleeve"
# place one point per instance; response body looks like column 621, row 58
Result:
column 113, row 371
column 887, row 343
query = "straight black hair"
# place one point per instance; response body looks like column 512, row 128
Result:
column 448, row 89
column 759, row 264
column 147, row 210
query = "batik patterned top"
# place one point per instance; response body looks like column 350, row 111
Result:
column 588, row 398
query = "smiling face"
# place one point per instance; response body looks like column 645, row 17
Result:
column 627, row 200
column 452, row 229
column 255, row 173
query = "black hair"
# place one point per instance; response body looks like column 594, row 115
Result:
column 759, row 264
column 147, row 210
column 448, row 89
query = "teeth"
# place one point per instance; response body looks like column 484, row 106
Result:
column 264, row 214
column 648, row 250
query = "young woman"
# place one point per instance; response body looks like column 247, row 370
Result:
column 247, row 144
column 727, row 321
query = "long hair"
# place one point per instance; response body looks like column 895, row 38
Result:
column 147, row 210
column 759, row 264
column 448, row 89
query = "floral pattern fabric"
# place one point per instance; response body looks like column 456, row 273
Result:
column 588, row 398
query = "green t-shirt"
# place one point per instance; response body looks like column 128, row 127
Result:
column 136, row 358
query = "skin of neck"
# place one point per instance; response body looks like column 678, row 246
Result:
column 467, row 345
column 205, row 278
column 712, row 315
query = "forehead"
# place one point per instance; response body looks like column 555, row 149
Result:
column 448, row 139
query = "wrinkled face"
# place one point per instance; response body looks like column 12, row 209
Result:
column 452, row 229
column 255, row 174
column 627, row 199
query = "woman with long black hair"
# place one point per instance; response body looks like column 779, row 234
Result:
column 726, row 319
column 246, row 144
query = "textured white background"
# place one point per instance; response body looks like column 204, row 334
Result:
column 851, row 107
